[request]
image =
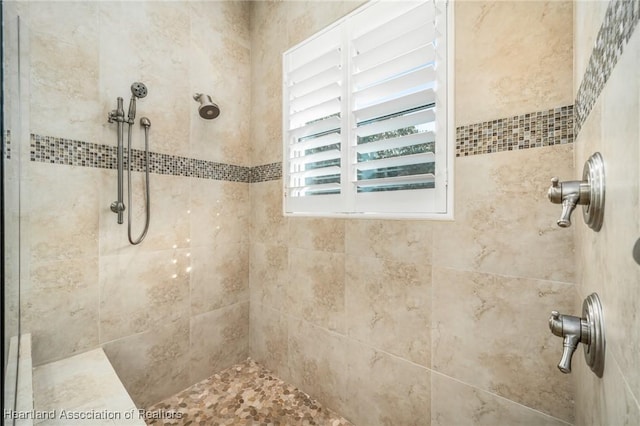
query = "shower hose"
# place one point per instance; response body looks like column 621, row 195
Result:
column 147, row 194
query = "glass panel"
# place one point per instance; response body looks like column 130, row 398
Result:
column 11, row 133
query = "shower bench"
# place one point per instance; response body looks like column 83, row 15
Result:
column 80, row 390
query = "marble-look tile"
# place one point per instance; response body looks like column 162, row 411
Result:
column 491, row 331
column 621, row 228
column 268, row 342
column 318, row 363
column 64, row 103
column 404, row 241
column 268, row 276
column 317, row 234
column 70, row 21
column 607, row 400
column 219, row 277
column 306, row 18
column 268, row 41
column 219, row 339
column 141, row 290
column 504, row 222
column 455, row 403
column 219, row 213
column 514, row 56
column 154, row 364
column 603, row 260
column 79, row 383
column 59, row 212
column 220, row 67
column 388, row 306
column 386, row 390
column 160, row 36
column 316, row 288
column 230, row 16
column 169, row 222
column 59, row 307
column 268, row 225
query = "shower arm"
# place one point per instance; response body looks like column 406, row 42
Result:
column 117, row 115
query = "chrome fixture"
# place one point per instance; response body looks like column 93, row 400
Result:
column 636, row 251
column 207, row 109
column 138, row 90
column 589, row 192
column 588, row 330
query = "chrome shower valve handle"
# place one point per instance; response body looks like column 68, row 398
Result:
column 588, row 330
column 569, row 194
column 588, row 192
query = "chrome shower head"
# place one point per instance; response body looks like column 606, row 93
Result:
column 139, row 90
column 207, row 109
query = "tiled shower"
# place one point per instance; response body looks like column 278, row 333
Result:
column 387, row 322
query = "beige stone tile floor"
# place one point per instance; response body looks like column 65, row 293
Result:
column 243, row 394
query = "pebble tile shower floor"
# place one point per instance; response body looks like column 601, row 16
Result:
column 244, row 394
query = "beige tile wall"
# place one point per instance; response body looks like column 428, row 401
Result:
column 416, row 322
column 603, row 260
column 173, row 310
column 351, row 311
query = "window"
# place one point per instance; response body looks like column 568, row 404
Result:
column 367, row 121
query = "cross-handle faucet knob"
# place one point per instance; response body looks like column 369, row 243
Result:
column 573, row 330
column 569, row 194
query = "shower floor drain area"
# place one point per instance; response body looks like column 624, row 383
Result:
column 244, row 394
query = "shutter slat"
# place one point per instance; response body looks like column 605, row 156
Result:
column 315, row 66
column 324, row 187
column 405, row 103
column 420, row 56
column 315, row 128
column 399, row 142
column 318, row 96
column 407, row 21
column 330, row 139
column 325, row 109
column 420, row 37
column 323, row 78
column 405, row 180
column 407, row 84
column 319, row 156
column 417, row 118
column 404, row 160
column 321, row 171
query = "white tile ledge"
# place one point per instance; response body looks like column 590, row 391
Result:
column 82, row 390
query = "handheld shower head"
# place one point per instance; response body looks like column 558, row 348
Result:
column 207, row 109
column 138, row 90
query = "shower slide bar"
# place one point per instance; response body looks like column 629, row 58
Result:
column 138, row 90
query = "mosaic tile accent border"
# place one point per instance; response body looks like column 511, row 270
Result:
column 7, row 144
column 78, row 153
column 543, row 128
column 620, row 20
column 537, row 129
column 266, row 172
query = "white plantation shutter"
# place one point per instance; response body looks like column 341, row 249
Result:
column 366, row 120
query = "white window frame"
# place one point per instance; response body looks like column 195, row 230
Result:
column 323, row 206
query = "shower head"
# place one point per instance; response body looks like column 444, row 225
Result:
column 139, row 90
column 207, row 109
